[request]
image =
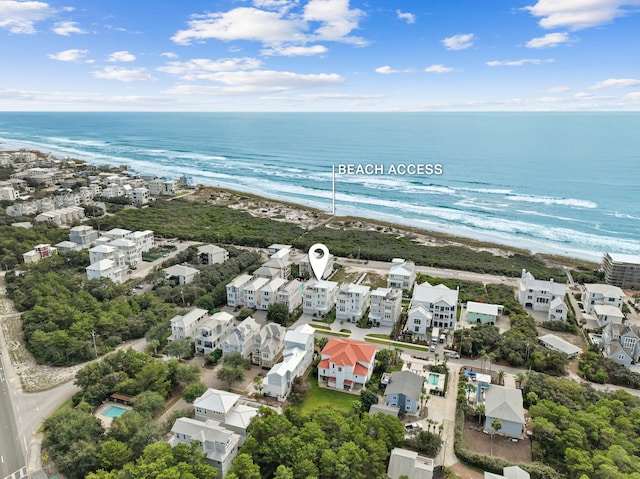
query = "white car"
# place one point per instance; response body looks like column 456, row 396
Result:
column 413, row 426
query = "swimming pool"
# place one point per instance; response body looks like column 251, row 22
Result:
column 434, row 379
column 114, row 411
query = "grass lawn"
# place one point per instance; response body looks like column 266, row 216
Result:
column 319, row 397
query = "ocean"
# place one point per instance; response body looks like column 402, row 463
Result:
column 561, row 183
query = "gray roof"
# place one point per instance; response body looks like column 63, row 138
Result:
column 504, row 403
column 405, row 382
column 554, row 342
column 383, row 408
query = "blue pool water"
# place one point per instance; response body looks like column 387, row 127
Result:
column 114, row 411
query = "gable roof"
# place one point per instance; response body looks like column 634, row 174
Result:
column 345, row 352
column 504, row 403
column 605, row 290
column 556, row 342
column 483, row 308
column 405, row 382
column 425, row 293
column 210, row 249
column 557, row 302
column 180, row 270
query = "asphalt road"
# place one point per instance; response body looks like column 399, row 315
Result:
column 12, row 455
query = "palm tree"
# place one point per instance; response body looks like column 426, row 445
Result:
column 436, row 356
column 470, row 388
column 480, row 411
column 501, row 375
column 496, row 425
column 484, row 358
column 520, row 377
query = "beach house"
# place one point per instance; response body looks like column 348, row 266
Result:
column 537, row 294
column 213, row 330
column 438, row 300
column 240, row 338
column 346, row 364
column 386, row 306
column 352, row 302
column 319, row 297
column 402, row 274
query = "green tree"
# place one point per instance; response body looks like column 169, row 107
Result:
column 496, row 426
column 193, row 391
column 278, row 313
column 244, row 314
column 114, row 454
column 180, row 348
column 230, row 375
column 236, row 360
column 368, row 399
column 149, row 402
column 135, row 430
column 243, row 467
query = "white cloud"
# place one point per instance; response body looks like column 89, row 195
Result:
column 386, row 70
column 169, row 55
column 579, row 14
column 121, row 56
column 124, row 74
column 634, row 96
column 408, row 17
column 616, row 83
column 67, row 28
column 193, row 69
column 336, row 21
column 293, row 51
column 258, row 81
column 68, row 55
column 20, row 17
column 518, row 63
column 559, row 89
column 241, row 24
column 459, row 42
column 549, row 40
column 438, row 68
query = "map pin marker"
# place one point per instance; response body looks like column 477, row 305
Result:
column 318, row 258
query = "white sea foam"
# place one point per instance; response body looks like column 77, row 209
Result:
column 548, row 200
column 545, row 215
column 489, row 191
column 95, row 143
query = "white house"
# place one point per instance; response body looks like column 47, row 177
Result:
column 140, row 196
column 510, row 472
column 606, row 314
column 405, row 463
column 402, row 274
column 440, row 301
column 100, row 252
column 291, row 295
column 621, row 343
column 218, row 443
column 556, row 343
column 106, row 268
column 269, row 293
column 144, row 240
column 184, row 274
column 419, row 320
column 558, row 310
column 319, row 297
column 117, row 233
column 129, row 249
column 537, row 294
column 267, row 345
column 282, row 265
column 226, row 408
column 234, row 296
column 250, row 292
column 604, row 294
column 212, row 254
column 297, row 357
column 240, row 339
column 66, row 246
column 386, row 306
column 352, row 302
column 346, row 364
column 212, row 332
column 186, row 326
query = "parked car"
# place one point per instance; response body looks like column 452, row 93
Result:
column 413, row 426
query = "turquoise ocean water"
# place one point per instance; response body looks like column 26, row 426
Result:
column 566, row 183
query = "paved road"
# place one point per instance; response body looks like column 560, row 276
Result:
column 12, row 456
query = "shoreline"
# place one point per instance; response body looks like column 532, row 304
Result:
column 308, row 217
column 452, row 234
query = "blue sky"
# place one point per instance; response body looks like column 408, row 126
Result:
column 320, row 55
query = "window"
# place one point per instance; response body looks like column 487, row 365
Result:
column 416, row 329
column 416, row 321
column 339, row 369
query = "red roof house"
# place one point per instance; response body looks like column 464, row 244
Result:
column 346, row 364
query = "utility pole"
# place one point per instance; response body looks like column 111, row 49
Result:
column 95, row 348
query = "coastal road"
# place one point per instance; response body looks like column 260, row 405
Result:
column 12, row 456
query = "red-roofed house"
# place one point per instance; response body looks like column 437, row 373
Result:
column 346, row 364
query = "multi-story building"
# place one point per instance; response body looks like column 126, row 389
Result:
column 291, row 295
column 100, row 252
column 537, row 294
column 305, row 270
column 250, row 293
column 41, row 251
column 402, row 274
column 140, row 196
column 106, row 268
column 83, row 235
column 130, row 250
column 346, row 364
column 234, row 290
column 212, row 332
column 269, row 293
column 226, row 408
column 352, row 302
column 622, row 270
column 297, row 357
column 386, row 306
column 319, row 297
column 268, row 345
column 601, row 294
column 621, row 343
column 212, row 254
column 144, row 240
column 240, row 339
column 187, row 326
column 440, row 301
